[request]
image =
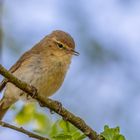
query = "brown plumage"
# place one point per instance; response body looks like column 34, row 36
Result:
column 43, row 66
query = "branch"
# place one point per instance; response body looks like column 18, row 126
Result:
column 52, row 105
column 3, row 124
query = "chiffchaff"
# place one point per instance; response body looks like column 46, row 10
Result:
column 44, row 66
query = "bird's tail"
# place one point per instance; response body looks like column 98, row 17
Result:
column 3, row 108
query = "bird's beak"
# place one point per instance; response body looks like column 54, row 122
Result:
column 75, row 53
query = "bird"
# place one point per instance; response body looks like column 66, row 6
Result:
column 44, row 66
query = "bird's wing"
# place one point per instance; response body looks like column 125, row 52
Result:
column 35, row 50
column 25, row 56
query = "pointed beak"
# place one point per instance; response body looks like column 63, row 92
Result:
column 75, row 53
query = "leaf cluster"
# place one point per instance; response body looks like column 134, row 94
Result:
column 42, row 124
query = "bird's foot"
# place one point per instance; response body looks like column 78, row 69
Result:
column 34, row 92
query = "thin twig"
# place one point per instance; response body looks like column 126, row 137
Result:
column 30, row 134
column 51, row 104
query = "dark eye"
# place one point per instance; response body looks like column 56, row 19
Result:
column 60, row 46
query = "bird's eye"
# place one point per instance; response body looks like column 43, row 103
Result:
column 60, row 45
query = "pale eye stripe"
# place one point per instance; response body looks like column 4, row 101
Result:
column 59, row 42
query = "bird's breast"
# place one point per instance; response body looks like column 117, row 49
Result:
column 49, row 79
column 47, row 76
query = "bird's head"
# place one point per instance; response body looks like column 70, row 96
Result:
column 62, row 44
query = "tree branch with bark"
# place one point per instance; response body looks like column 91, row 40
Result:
column 52, row 105
column 22, row 130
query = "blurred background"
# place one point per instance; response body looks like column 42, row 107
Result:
column 102, row 85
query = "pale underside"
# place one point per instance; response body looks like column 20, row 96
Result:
column 46, row 76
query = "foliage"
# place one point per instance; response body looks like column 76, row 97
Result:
column 112, row 133
column 59, row 129
column 42, row 124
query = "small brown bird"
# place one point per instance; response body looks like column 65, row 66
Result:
column 44, row 66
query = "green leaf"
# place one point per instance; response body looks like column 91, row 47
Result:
column 43, row 123
column 67, row 127
column 112, row 133
column 25, row 115
column 62, row 136
column 78, row 136
column 64, row 125
column 54, row 129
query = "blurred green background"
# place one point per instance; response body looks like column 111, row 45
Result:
column 102, row 85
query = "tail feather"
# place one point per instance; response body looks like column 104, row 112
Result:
column 3, row 110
